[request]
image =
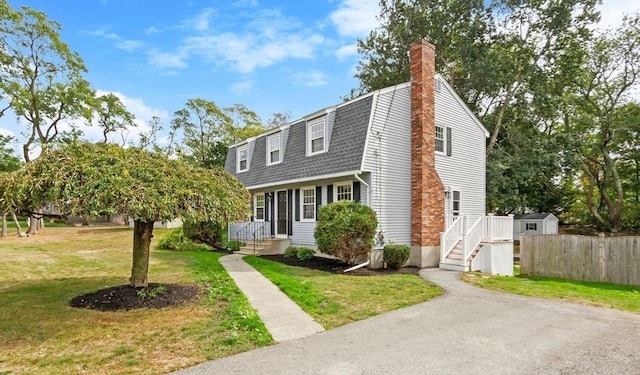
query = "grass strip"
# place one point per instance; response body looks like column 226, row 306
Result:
column 334, row 300
column 621, row 297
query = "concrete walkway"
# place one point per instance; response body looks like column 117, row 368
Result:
column 467, row 331
column 283, row 318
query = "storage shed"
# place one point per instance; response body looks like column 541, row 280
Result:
column 540, row 223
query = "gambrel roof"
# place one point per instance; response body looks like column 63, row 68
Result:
column 347, row 127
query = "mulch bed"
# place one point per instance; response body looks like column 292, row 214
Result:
column 125, row 297
column 338, row 267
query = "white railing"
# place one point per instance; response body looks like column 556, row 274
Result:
column 498, row 228
column 450, row 237
column 472, row 238
column 473, row 229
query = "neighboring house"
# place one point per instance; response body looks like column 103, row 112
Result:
column 413, row 152
column 540, row 223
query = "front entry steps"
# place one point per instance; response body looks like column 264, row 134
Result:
column 268, row 246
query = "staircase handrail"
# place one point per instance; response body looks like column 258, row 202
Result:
column 450, row 237
column 472, row 238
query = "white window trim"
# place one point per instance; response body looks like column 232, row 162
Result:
column 311, row 124
column 444, row 140
column 239, row 150
column 269, row 138
column 343, row 183
column 315, row 197
column 255, row 207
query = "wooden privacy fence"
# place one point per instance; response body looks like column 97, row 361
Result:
column 609, row 259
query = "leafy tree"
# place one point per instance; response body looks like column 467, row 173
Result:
column 206, row 131
column 41, row 79
column 602, row 118
column 279, row 119
column 112, row 115
column 513, row 63
column 345, row 229
column 92, row 179
column 8, row 162
column 40, row 76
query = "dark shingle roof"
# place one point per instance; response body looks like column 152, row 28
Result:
column 537, row 216
column 346, row 149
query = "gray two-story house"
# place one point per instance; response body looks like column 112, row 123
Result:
column 413, row 152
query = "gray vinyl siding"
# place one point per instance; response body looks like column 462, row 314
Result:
column 387, row 161
column 466, row 167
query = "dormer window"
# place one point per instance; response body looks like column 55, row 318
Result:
column 273, row 149
column 316, row 136
column 242, row 157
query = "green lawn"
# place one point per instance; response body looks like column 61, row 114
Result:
column 621, row 297
column 41, row 334
column 334, row 300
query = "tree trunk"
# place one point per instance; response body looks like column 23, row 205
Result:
column 4, row 224
column 142, row 234
column 15, row 220
column 35, row 222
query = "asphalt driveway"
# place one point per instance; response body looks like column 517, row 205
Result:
column 467, row 331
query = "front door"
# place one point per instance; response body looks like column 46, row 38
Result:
column 282, row 214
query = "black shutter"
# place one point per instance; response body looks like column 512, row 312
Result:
column 318, row 199
column 448, row 141
column 272, row 222
column 329, row 194
column 290, row 212
column 356, row 191
column 267, row 206
column 297, row 204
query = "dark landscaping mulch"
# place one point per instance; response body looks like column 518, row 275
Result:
column 337, row 267
column 125, row 297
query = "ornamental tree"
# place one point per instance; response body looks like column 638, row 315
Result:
column 91, row 179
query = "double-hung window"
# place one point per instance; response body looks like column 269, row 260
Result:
column 259, row 207
column 316, row 136
column 455, row 203
column 273, row 149
column 439, row 139
column 443, row 140
column 309, row 203
column 531, row 226
column 343, row 191
column 242, row 157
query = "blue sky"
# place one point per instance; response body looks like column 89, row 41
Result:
column 293, row 56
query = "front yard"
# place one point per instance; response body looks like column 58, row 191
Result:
column 40, row 333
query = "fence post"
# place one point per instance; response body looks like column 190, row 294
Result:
column 490, row 226
column 601, row 260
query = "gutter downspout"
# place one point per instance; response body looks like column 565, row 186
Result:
column 358, row 266
column 368, row 189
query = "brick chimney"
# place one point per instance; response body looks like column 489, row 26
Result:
column 427, row 190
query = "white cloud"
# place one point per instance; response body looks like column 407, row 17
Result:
column 152, row 30
column 355, row 18
column 130, row 45
column 103, row 33
column 241, row 88
column 167, row 59
column 200, row 22
column 310, row 79
column 346, row 51
column 247, row 52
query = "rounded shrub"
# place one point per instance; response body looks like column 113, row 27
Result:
column 176, row 240
column 396, row 255
column 290, row 252
column 345, row 229
column 305, row 253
